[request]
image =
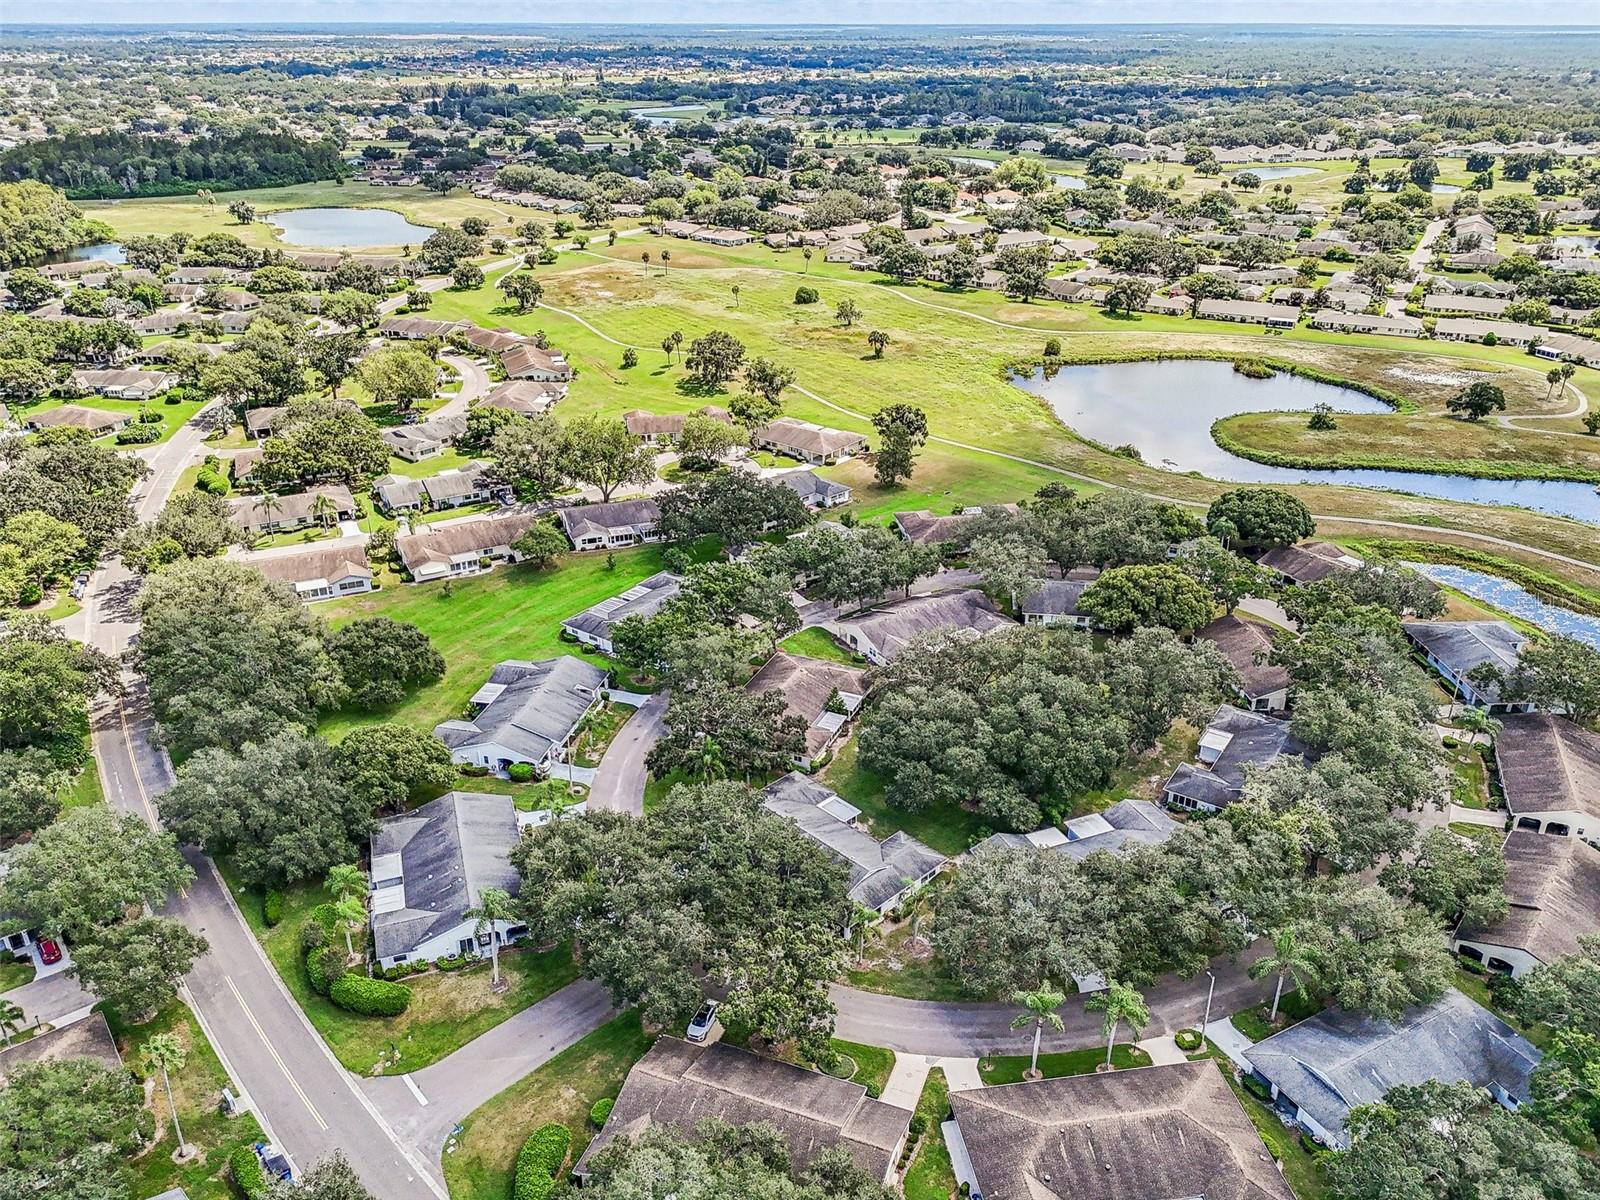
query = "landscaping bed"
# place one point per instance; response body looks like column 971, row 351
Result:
column 1010, row 1068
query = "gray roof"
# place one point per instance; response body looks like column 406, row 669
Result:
column 1059, row 597
column 643, row 599
column 1155, row 1133
column 1247, row 739
column 1241, row 642
column 1335, row 1061
column 806, row 685
column 251, row 511
column 809, row 437
column 432, row 864
column 444, row 542
column 88, row 1038
column 1463, row 645
column 1309, row 561
column 810, row 486
column 1126, row 823
column 891, row 627
column 924, row 528
column 1548, row 764
column 680, row 1084
column 878, row 870
column 1553, row 884
column 399, row 491
column 455, row 484
column 587, row 520
column 527, row 707
column 424, row 434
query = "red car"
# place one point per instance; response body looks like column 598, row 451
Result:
column 49, row 951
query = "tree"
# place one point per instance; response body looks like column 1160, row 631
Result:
column 531, row 454
column 604, row 454
column 716, row 730
column 1560, row 674
column 733, row 505
column 29, row 288
column 1010, row 565
column 24, row 379
column 325, row 438
column 704, row 440
column 1322, row 418
column 384, row 766
column 1125, row 598
column 1127, row 296
column 349, row 914
column 276, row 804
column 331, row 1179
column 960, row 267
column 350, row 309
column 165, row 1053
column 714, row 359
column 1228, row 577
column 1377, row 955
column 902, row 429
column 1477, row 400
column 11, row 1018
column 445, row 248
column 242, row 212
column 398, row 376
column 333, row 358
column 541, row 544
column 87, row 870
column 522, row 289
column 879, row 341
column 63, row 1126
column 43, row 546
column 1119, row 1002
column 1259, row 518
column 380, row 659
column 136, row 966
column 31, row 784
column 46, row 683
column 418, row 300
column 1290, row 959
column 1038, row 1009
column 1456, row 879
column 847, row 312
column 494, row 907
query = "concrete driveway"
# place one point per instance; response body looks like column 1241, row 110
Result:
column 618, row 784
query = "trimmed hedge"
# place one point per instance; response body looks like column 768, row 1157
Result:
column 370, row 997
column 1188, row 1040
column 325, row 967
column 600, row 1110
column 247, row 1172
column 539, row 1161
column 272, row 907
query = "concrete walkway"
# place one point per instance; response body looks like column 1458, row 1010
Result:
column 1230, row 1041
column 906, row 1080
column 572, row 773
column 960, row 1073
column 1163, row 1051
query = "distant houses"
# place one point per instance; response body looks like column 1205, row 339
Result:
column 1125, row 824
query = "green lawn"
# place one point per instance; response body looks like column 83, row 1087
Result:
column 930, row 1176
column 1009, row 1068
column 1469, row 777
column 597, row 731
column 815, row 643
column 448, row 1009
column 197, row 1091
column 510, row 612
column 1295, row 1006
column 946, row 828
column 14, row 972
column 173, row 416
column 872, row 1064
column 85, row 790
column 562, row 1090
column 896, row 968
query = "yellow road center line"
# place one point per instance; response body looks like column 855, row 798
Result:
column 272, row 1050
column 133, row 761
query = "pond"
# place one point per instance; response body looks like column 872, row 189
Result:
column 669, row 114
column 106, row 252
column 1165, row 410
column 1583, row 241
column 346, row 227
column 1445, row 189
column 1070, row 183
column 1268, row 174
column 1514, row 599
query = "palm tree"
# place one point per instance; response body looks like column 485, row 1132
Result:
column 735, row 290
column 163, row 1052
column 862, row 919
column 1038, row 1009
column 349, row 912
column 806, row 254
column 494, row 904
column 666, row 257
column 669, row 346
column 877, row 339
column 1554, row 379
column 11, row 1018
column 323, row 510
column 1119, row 1002
column 270, row 507
column 1290, row 958
column 645, row 259
column 346, row 879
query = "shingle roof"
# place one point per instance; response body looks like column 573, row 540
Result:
column 527, row 707
column 643, row 599
column 1241, row 642
column 806, row 685
column 441, row 543
column 299, row 506
column 1553, row 884
column 1309, row 561
column 314, row 563
column 89, row 1038
column 1243, row 739
column 589, row 520
column 527, row 396
column 1155, row 1133
column 1126, row 823
column 441, row 857
column 810, row 486
column 1547, row 764
column 1059, row 597
column 1335, row 1061
column 878, row 870
column 810, row 438
column 680, row 1084
column 1464, row 645
column 890, row 627
column 924, row 528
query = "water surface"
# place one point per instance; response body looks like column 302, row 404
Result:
column 346, row 227
column 1514, row 599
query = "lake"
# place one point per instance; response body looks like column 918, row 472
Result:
column 1444, row 189
column 1514, row 599
column 346, row 227
column 1069, row 183
column 1268, row 174
column 1165, row 410
column 1583, row 241
column 106, row 252
column 669, row 114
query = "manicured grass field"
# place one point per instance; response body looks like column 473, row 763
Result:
column 510, row 612
column 1295, row 1006
column 448, row 1009
column 815, row 643
column 873, row 1064
column 197, row 1092
column 930, row 1176
column 173, row 416
column 1009, row 1068
column 14, row 972
column 562, row 1090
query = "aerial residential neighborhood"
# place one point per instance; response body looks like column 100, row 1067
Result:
column 790, row 601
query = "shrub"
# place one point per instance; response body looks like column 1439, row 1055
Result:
column 474, row 770
column 370, row 997
column 212, row 481
column 324, row 968
column 1450, row 743
column 247, row 1172
column 1052, row 348
column 520, row 772
column 312, row 935
column 1188, row 1040
column 139, row 435
column 919, row 1125
column 453, row 962
column 806, row 295
column 394, row 972
column 539, row 1161
column 272, row 907
column 1252, row 368
column 600, row 1110
column 1256, row 1088
column 874, row 1090
column 29, row 593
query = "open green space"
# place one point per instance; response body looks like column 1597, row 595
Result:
column 448, row 1009
column 1469, row 777
column 197, row 1094
column 173, row 416
column 1010, row 1068
column 1293, row 1007
column 817, row 643
column 562, row 1090
column 930, row 1175
column 866, row 1065
column 946, row 828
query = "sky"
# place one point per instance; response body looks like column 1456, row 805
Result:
column 821, row 12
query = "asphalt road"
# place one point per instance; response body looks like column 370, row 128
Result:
column 619, row 779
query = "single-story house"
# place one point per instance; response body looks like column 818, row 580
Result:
column 1263, row 686
column 1553, row 889
column 593, row 625
column 128, row 383
column 1056, row 601
column 1308, row 562
column 1326, row 1065
column 260, row 422
column 1360, row 322
column 416, row 329
column 431, row 866
column 723, row 237
column 274, row 514
column 95, row 420
column 527, row 361
column 807, row 686
column 1251, row 312
column 814, row 491
column 1456, row 648
column 679, row 1084
column 399, row 493
column 1472, row 329
column 1233, row 740
column 425, row 439
column 530, row 397
column 925, row 529
column 72, row 268
column 243, row 463
column 527, row 712
column 1549, row 769
column 487, row 341
column 319, row 573
column 883, row 632
column 1126, row 823
column 462, row 547
column 882, row 874
column 611, row 525
column 1154, row 1133
column 666, row 427
column 815, row 444
column 450, row 488
column 1472, row 306
column 1560, row 346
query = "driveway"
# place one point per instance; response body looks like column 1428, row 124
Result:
column 618, row 784
column 56, row 999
